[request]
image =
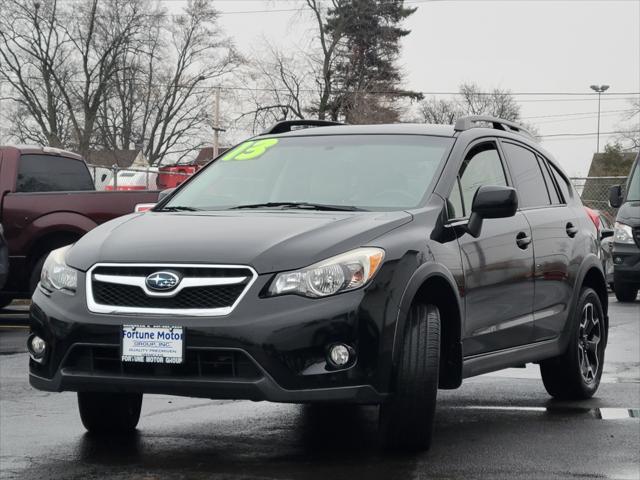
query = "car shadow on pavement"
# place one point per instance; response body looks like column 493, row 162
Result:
column 322, row 442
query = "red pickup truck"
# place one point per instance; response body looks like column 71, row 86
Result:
column 48, row 200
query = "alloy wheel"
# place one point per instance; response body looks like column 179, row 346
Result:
column 589, row 336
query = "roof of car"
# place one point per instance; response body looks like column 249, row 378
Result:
column 36, row 149
column 391, row 129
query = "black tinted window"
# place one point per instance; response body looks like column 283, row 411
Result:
column 527, row 176
column 481, row 166
column 48, row 173
column 562, row 184
column 553, row 192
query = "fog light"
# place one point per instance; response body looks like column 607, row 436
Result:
column 340, row 355
column 37, row 348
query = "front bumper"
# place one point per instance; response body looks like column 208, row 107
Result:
column 626, row 264
column 280, row 342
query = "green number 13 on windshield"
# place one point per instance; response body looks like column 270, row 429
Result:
column 250, row 150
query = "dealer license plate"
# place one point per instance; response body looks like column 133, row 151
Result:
column 151, row 344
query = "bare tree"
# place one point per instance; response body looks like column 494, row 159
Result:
column 162, row 100
column 31, row 49
column 629, row 138
column 441, row 111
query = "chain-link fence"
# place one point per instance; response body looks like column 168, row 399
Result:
column 150, row 178
column 594, row 192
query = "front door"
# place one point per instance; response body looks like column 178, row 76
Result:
column 498, row 265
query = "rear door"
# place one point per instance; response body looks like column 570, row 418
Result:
column 498, row 265
column 554, row 226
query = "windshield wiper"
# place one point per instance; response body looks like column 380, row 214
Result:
column 300, row 205
column 178, row 209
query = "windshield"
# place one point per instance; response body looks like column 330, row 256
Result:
column 359, row 172
column 633, row 190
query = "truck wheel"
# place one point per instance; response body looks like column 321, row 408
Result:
column 104, row 412
column 406, row 420
column 35, row 273
column 625, row 292
column 575, row 375
column 5, row 300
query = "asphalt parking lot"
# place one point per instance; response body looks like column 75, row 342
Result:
column 500, row 425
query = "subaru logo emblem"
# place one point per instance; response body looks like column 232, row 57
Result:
column 162, row 281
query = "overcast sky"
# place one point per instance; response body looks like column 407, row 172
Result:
column 524, row 46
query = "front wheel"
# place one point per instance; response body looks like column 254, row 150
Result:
column 625, row 292
column 104, row 412
column 406, row 421
column 575, row 375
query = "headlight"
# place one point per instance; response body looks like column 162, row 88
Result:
column 341, row 273
column 56, row 275
column 622, row 233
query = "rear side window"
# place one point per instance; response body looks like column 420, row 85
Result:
column 48, row 173
column 551, row 187
column 527, row 176
column 562, row 183
column 481, row 166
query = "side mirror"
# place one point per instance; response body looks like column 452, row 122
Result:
column 164, row 194
column 615, row 196
column 491, row 201
column 606, row 233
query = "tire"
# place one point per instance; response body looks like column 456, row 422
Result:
column 115, row 413
column 575, row 375
column 406, row 420
column 5, row 300
column 625, row 292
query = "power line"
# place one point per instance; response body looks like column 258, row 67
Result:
column 581, row 134
column 576, row 114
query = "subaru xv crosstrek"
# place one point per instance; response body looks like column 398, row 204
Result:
column 336, row 264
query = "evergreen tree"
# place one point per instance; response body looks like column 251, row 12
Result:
column 367, row 80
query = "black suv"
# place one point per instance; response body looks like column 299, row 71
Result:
column 626, row 239
column 360, row 264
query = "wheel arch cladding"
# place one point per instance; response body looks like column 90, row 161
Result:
column 434, row 284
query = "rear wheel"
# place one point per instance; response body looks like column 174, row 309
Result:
column 104, row 412
column 36, row 271
column 5, row 300
column 625, row 292
column 575, row 375
column 406, row 421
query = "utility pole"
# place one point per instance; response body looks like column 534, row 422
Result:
column 216, row 124
column 599, row 89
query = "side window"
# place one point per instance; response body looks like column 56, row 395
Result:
column 481, row 166
column 49, row 173
column 564, row 187
column 551, row 186
column 527, row 176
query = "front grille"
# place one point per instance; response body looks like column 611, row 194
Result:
column 202, row 289
column 220, row 296
column 636, row 235
column 198, row 363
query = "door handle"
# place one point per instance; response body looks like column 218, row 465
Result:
column 571, row 229
column 523, row 240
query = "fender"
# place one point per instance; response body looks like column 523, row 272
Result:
column 590, row 261
column 421, row 275
column 60, row 221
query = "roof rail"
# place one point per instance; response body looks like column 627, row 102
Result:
column 286, row 125
column 465, row 123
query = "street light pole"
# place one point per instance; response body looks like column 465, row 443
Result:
column 599, row 89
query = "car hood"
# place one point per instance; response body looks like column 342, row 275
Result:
column 629, row 214
column 268, row 241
